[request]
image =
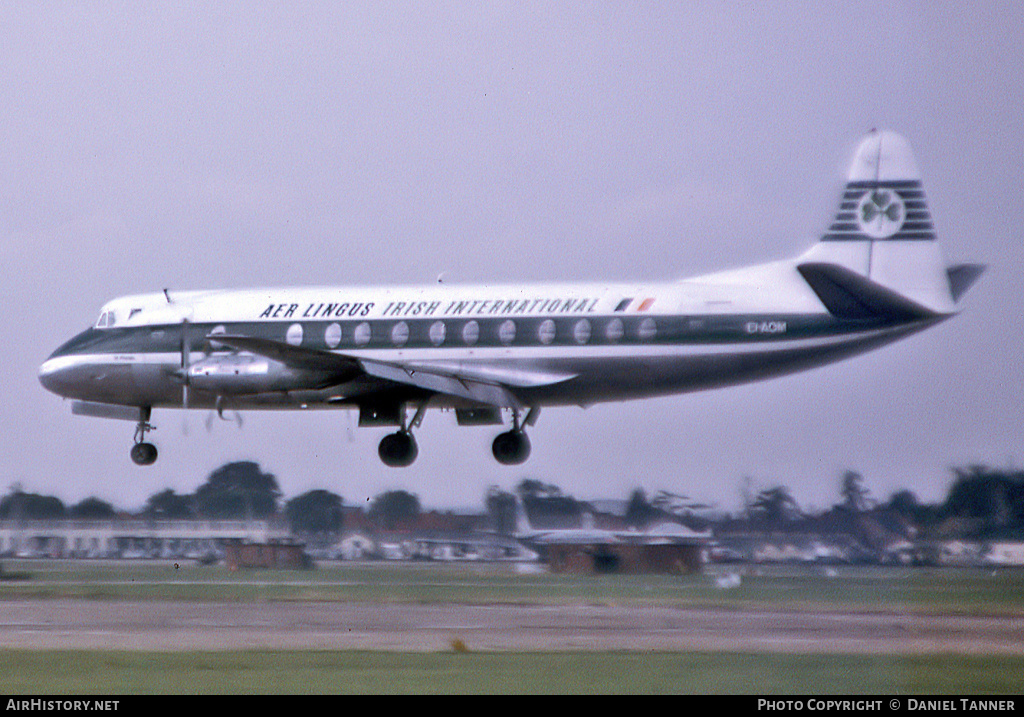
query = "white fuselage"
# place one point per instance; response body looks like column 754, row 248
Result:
column 549, row 343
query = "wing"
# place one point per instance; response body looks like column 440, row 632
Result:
column 487, row 386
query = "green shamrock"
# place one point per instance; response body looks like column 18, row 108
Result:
column 880, row 204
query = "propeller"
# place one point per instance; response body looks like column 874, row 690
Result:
column 183, row 374
column 186, row 357
column 220, row 414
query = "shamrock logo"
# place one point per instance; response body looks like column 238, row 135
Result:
column 880, row 213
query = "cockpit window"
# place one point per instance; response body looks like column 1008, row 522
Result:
column 106, row 320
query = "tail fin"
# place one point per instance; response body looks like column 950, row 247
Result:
column 883, row 229
column 523, row 526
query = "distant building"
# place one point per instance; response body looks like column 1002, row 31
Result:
column 1005, row 553
column 130, row 537
column 630, row 558
column 275, row 554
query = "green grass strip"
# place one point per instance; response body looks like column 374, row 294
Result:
column 354, row 672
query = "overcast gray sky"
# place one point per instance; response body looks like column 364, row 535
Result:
column 194, row 145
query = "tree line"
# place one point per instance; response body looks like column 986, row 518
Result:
column 981, row 502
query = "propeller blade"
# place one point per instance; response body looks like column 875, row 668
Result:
column 186, row 351
column 220, row 413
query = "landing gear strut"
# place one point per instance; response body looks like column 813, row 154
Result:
column 513, row 447
column 398, row 449
column 143, row 454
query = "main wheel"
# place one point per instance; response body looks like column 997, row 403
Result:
column 511, row 448
column 144, row 454
column 398, row 450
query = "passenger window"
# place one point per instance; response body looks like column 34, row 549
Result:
column 647, row 329
column 332, row 337
column 437, row 332
column 581, row 331
column 217, row 330
column 507, row 332
column 400, row 333
column 362, row 334
column 294, row 335
column 471, row 333
column 546, row 331
column 614, row 331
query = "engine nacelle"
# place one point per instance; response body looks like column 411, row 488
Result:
column 237, row 374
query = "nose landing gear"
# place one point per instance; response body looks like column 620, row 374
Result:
column 143, row 453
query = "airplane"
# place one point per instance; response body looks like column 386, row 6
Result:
column 876, row 275
column 589, row 534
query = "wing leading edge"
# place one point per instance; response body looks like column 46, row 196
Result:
column 488, row 387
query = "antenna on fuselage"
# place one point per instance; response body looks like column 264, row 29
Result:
column 167, row 296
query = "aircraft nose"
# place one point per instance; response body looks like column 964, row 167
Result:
column 54, row 374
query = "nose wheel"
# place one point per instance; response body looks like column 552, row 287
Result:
column 143, row 453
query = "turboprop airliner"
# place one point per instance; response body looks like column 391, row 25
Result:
column 499, row 353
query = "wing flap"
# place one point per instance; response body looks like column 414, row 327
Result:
column 490, row 394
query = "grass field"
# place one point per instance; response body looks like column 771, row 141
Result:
column 895, row 590
column 305, row 672
column 868, row 589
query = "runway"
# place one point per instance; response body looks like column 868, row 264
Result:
column 293, row 625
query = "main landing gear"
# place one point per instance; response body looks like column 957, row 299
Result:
column 399, row 449
column 513, row 447
column 510, row 448
column 143, row 454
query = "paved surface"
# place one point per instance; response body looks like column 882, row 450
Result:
column 162, row 626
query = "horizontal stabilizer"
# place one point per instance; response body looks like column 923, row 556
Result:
column 962, row 278
column 849, row 295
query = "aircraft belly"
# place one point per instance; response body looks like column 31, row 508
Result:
column 619, row 379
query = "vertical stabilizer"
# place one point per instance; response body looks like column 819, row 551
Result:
column 883, row 228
